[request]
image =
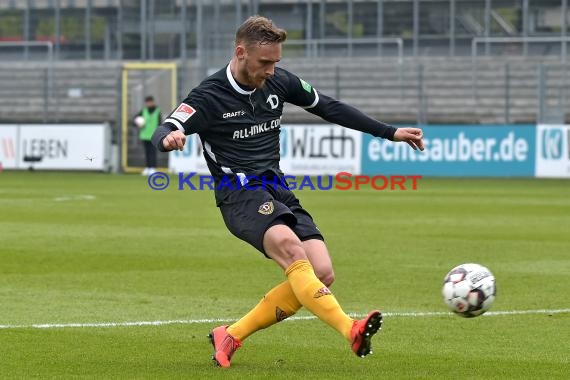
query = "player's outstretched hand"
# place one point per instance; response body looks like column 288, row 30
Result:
column 175, row 140
column 413, row 136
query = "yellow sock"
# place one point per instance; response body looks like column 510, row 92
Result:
column 317, row 298
column 279, row 303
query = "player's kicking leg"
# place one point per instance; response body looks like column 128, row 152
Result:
column 362, row 330
column 285, row 248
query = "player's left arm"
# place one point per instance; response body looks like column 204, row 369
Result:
column 334, row 111
column 337, row 112
column 413, row 136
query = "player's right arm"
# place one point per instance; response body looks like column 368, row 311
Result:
column 167, row 138
column 189, row 117
column 174, row 140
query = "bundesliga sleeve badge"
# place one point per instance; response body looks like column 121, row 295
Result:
column 183, row 112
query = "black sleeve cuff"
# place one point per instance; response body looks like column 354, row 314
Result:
column 161, row 132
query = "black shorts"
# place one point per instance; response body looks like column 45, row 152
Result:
column 249, row 213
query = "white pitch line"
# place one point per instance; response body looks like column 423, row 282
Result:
column 412, row 314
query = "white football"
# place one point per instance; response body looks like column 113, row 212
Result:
column 469, row 290
column 139, row 121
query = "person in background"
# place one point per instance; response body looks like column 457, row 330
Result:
column 148, row 120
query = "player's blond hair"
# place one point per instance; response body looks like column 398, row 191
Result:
column 258, row 30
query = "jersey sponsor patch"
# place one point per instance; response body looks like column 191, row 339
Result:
column 183, row 112
column 306, row 86
column 266, row 208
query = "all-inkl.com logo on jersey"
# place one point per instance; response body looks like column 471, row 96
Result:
column 340, row 181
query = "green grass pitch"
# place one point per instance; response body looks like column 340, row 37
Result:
column 92, row 248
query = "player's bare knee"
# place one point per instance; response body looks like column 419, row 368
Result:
column 326, row 277
column 324, row 273
column 292, row 249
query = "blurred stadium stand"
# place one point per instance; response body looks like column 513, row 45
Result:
column 438, row 79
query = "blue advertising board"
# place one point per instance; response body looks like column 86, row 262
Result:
column 460, row 150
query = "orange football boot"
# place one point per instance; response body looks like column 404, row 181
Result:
column 362, row 332
column 224, row 344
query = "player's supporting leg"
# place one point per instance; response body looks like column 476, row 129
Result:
column 278, row 304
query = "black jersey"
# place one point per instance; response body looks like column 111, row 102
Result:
column 239, row 128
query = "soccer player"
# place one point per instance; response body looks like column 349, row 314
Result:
column 236, row 112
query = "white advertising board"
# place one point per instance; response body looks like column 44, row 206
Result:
column 552, row 151
column 8, row 146
column 320, row 149
column 55, row 146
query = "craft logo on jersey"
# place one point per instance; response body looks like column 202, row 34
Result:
column 183, row 112
column 266, row 208
column 228, row 115
column 324, row 291
column 273, row 101
column 552, row 144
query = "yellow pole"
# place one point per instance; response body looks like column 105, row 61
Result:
column 172, row 66
column 124, row 116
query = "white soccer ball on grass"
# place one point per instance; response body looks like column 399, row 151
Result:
column 469, row 290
